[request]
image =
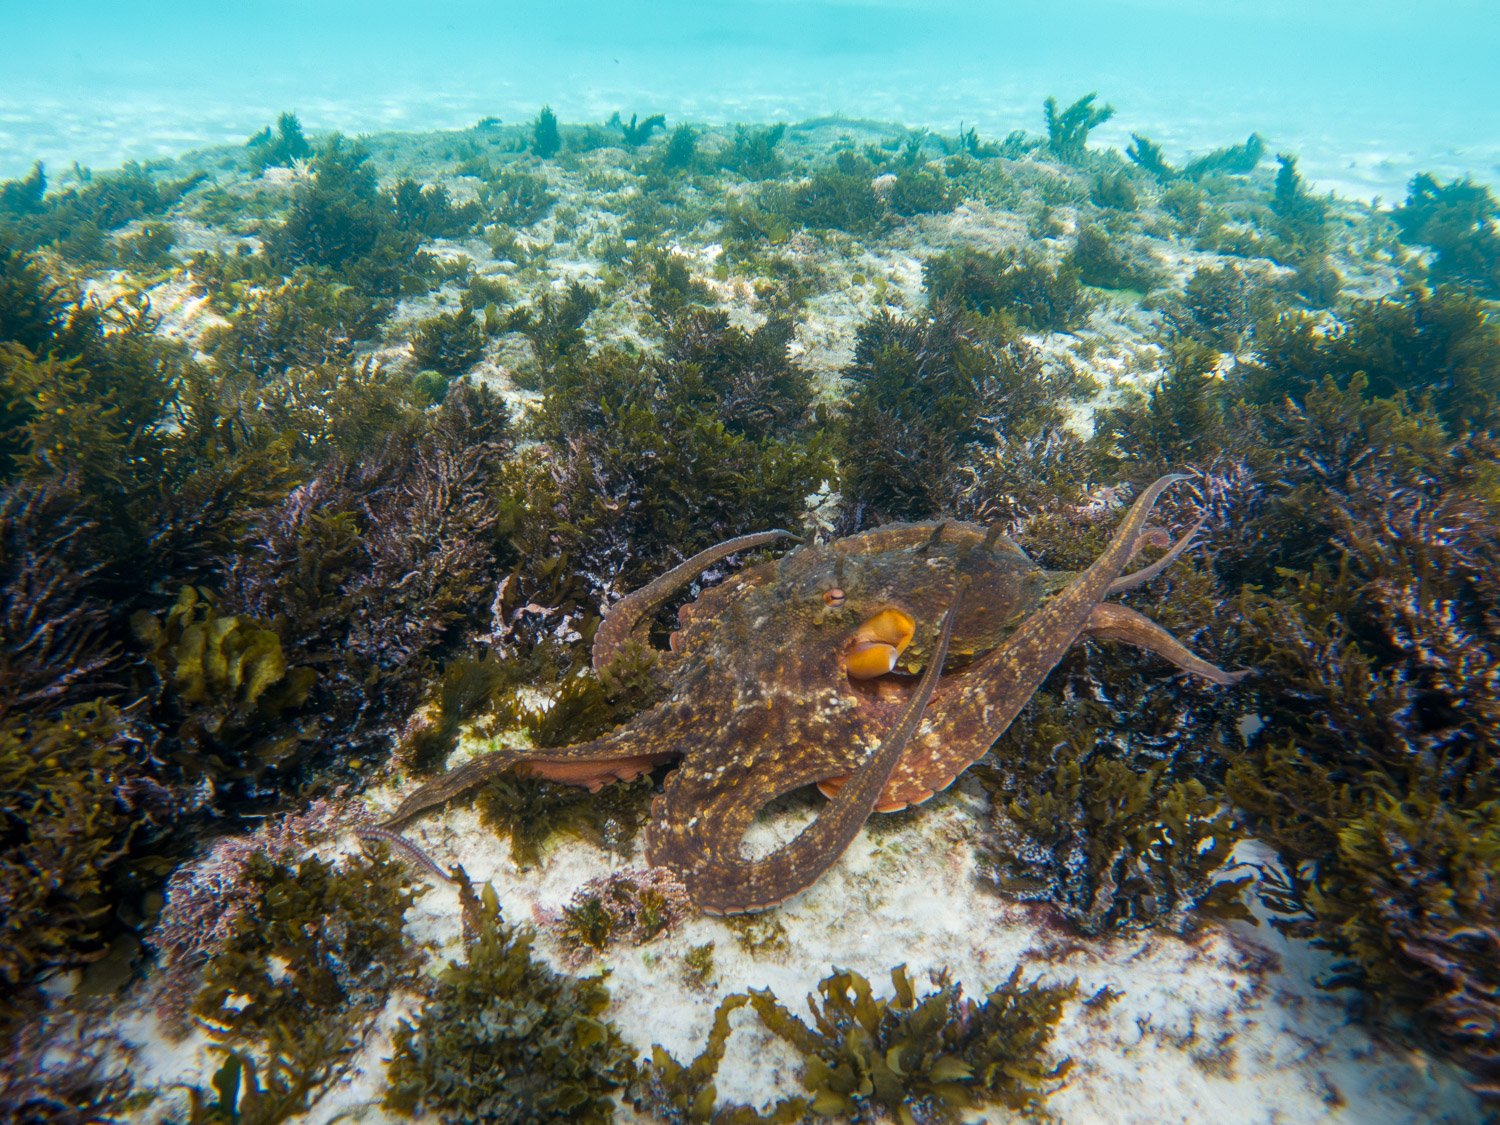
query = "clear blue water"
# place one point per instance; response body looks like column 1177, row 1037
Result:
column 1366, row 93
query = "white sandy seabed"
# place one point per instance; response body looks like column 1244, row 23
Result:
column 1222, row 1026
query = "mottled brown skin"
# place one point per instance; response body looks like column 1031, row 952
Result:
column 759, row 702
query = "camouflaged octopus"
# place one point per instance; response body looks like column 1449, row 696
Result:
column 805, row 670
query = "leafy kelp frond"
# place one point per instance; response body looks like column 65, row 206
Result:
column 230, row 679
column 503, row 1037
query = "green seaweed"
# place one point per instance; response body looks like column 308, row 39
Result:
column 636, row 134
column 503, row 1037
column 1460, row 221
column 1068, row 129
column 285, row 145
column 1017, row 283
column 546, row 140
column 315, row 938
column 915, row 1058
column 79, row 810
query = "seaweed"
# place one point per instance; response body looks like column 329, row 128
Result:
column 1068, row 130
column 546, row 141
column 915, row 1058
column 1220, row 306
column 1460, row 221
column 680, row 1095
column 55, row 642
column 840, row 196
column 284, row 146
column 672, row 287
column 429, row 211
column 1233, row 160
column 1421, row 342
column 67, row 1075
column 304, row 322
column 74, row 221
column 449, row 344
column 1110, row 844
column 635, row 134
column 554, row 323
column 503, row 1037
column 465, row 686
column 373, row 569
column 1114, row 192
column 1300, row 216
column 1147, row 155
column 650, row 459
column 315, row 938
column 33, row 308
column 79, row 808
column 752, row 153
column 630, row 907
column 680, row 153
column 517, row 198
column 340, row 221
column 24, row 197
column 1017, row 283
column 1108, row 262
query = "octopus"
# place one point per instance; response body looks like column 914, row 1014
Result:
column 877, row 667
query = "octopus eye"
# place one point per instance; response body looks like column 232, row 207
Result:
column 833, row 597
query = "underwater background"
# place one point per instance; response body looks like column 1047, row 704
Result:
column 361, row 365
column 1367, row 93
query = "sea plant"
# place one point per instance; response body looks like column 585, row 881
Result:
column 285, row 145
column 316, row 938
column 546, row 140
column 929, row 398
column 914, row 1058
column 1020, row 284
column 503, row 1037
column 1460, row 221
column 1068, row 129
column 630, row 907
column 636, row 134
column 1108, row 261
column 80, row 808
column 448, row 343
column 752, row 152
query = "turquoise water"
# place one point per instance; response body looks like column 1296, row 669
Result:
column 1366, row 93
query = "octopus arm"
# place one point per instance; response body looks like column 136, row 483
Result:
column 624, row 620
column 1116, row 623
column 1147, row 573
column 745, row 886
column 616, row 757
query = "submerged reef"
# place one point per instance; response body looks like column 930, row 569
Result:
column 323, row 460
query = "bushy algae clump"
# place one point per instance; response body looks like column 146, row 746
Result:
column 503, row 1037
column 916, row 1058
